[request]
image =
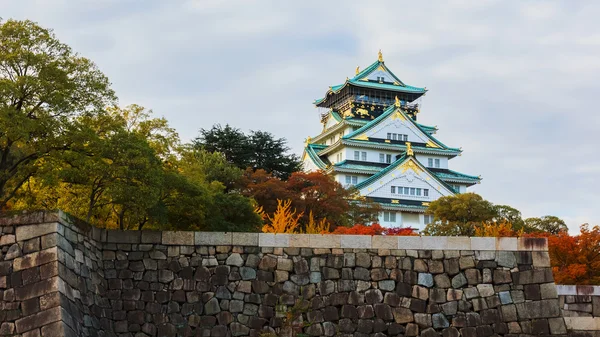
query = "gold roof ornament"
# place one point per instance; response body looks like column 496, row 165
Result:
column 357, row 70
column 409, row 150
column 307, row 141
column 380, row 56
column 397, row 103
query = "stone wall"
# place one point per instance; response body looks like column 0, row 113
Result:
column 61, row 278
column 580, row 305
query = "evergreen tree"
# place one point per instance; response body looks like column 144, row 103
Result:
column 257, row 150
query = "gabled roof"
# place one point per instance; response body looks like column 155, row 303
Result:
column 311, row 150
column 354, row 166
column 429, row 129
column 392, row 109
column 455, row 177
column 398, row 162
column 341, row 123
column 391, row 146
column 361, row 80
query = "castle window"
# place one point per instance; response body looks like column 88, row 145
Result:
column 364, row 156
column 393, row 189
column 389, row 216
column 430, row 162
column 405, row 137
column 406, row 190
column 351, row 180
column 389, row 136
column 412, row 191
column 388, row 158
column 356, row 155
column 382, row 158
column 427, row 219
column 437, row 163
column 418, row 191
column 425, row 192
column 394, row 135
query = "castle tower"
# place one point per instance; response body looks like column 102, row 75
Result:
column 371, row 141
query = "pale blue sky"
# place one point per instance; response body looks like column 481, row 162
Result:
column 514, row 83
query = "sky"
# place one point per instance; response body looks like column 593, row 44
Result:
column 514, row 83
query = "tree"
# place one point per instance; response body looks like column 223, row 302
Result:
column 257, row 150
column 43, row 86
column 229, row 141
column 548, row 223
column 509, row 215
column 314, row 192
column 575, row 259
column 284, row 220
column 458, row 214
column 270, row 154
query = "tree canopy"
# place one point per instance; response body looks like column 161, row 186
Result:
column 44, row 85
column 464, row 214
column 458, row 214
column 258, row 150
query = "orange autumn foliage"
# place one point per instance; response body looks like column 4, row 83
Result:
column 374, row 229
column 502, row 229
column 576, row 259
column 284, row 220
column 317, row 227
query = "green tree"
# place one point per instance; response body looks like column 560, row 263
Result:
column 270, row 154
column 208, row 177
column 507, row 214
column 458, row 214
column 257, row 150
column 43, row 86
column 548, row 223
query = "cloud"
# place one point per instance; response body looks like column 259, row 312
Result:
column 514, row 84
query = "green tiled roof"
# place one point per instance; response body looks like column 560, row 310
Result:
column 391, row 146
column 357, row 81
column 311, row 150
column 453, row 176
column 390, row 110
column 395, row 164
column 353, row 166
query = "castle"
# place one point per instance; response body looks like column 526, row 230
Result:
column 371, row 141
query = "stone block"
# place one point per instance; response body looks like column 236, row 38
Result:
column 582, row 323
column 485, row 255
column 213, row 238
column 459, row 243
column 117, row 236
column 36, row 259
column 506, row 258
column 533, row 276
column 557, row 326
column 31, row 231
column 178, row 238
column 324, row 241
column 38, row 320
column 538, row 309
column 151, row 237
column 357, row 241
column 506, row 244
column 7, row 239
column 548, row 291
column 532, row 244
column 541, row 259
column 410, row 243
column 483, row 243
column 299, row 241
column 434, row 242
column 244, row 239
column 271, row 240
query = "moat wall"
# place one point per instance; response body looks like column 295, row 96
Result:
column 59, row 277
